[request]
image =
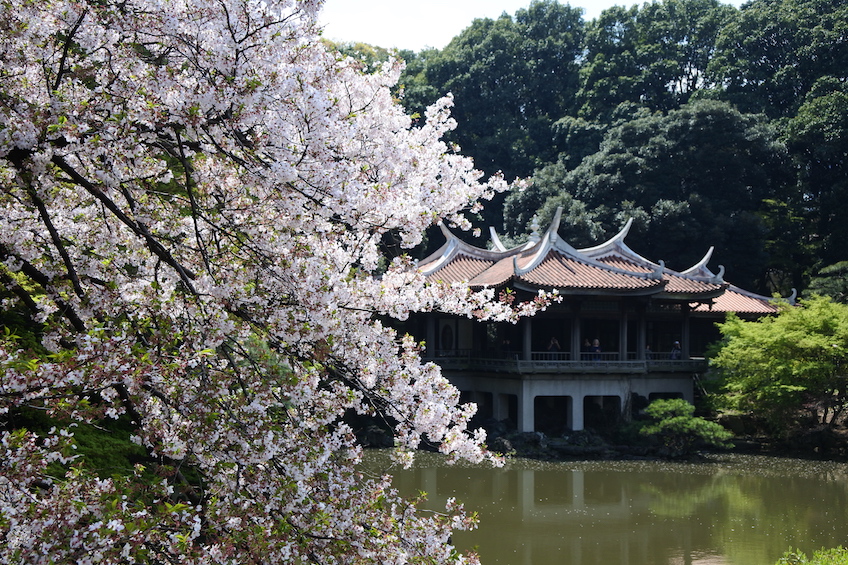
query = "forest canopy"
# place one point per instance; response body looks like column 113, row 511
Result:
column 709, row 125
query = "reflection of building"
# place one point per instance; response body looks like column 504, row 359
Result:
column 580, row 514
column 637, row 311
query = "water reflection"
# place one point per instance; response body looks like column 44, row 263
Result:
column 738, row 510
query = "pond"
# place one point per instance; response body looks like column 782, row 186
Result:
column 729, row 509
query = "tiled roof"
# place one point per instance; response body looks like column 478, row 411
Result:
column 561, row 271
column 460, row 268
column 612, row 267
column 677, row 283
column 737, row 300
column 496, row 275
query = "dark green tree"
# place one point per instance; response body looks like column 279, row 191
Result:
column 511, row 78
column 831, row 281
column 769, row 57
column 697, row 177
column 414, row 89
column 817, row 136
column 655, row 56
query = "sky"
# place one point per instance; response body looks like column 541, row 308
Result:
column 416, row 24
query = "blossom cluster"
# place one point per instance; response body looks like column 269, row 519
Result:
column 194, row 194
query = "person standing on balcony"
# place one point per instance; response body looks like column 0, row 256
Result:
column 596, row 350
column 675, row 351
column 585, row 349
column 553, row 346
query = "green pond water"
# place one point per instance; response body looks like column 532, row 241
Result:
column 730, row 509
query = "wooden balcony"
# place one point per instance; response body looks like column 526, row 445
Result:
column 563, row 362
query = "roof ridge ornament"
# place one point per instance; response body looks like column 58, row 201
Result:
column 545, row 245
column 719, row 278
column 659, row 270
column 700, row 266
column 534, row 226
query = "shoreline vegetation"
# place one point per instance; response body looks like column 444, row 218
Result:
column 587, row 444
column 622, row 442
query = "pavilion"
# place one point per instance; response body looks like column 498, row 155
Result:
column 652, row 327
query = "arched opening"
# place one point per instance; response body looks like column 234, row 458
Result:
column 551, row 414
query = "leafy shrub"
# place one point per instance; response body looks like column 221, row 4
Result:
column 680, row 432
column 837, row 556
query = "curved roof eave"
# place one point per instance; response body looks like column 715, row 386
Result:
column 616, row 245
column 789, row 299
column 454, row 246
column 555, row 242
column 700, row 270
column 694, row 297
column 499, row 247
column 610, row 244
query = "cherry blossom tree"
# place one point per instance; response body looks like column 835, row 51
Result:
column 194, row 196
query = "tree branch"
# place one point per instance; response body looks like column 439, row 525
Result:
column 57, row 242
column 139, row 229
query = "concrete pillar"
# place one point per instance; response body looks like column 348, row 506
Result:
column 576, row 419
column 641, row 335
column 526, row 412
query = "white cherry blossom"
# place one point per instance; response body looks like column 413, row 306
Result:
column 194, row 197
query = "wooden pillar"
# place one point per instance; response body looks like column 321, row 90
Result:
column 684, row 337
column 430, row 344
column 622, row 333
column 576, row 338
column 527, row 339
column 641, row 333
